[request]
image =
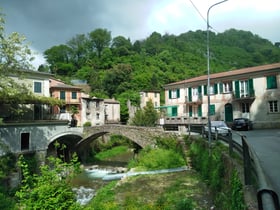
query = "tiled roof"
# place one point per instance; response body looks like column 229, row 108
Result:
column 64, row 86
column 232, row 73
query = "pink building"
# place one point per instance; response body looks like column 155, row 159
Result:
column 72, row 97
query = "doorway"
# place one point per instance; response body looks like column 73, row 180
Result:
column 228, row 112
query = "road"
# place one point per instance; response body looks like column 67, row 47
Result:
column 266, row 144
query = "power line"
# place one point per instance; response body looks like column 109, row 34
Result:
column 197, row 10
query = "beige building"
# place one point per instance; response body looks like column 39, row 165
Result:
column 38, row 84
column 145, row 96
column 252, row 92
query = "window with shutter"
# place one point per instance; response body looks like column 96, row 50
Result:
column 271, row 82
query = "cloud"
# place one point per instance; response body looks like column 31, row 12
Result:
column 46, row 23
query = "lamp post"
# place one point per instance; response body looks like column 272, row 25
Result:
column 208, row 71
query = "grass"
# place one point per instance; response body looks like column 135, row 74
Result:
column 181, row 190
column 115, row 151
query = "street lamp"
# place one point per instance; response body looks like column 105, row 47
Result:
column 208, row 71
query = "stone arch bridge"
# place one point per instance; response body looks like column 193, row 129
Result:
column 40, row 137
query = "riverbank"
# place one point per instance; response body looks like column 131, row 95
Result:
column 155, row 191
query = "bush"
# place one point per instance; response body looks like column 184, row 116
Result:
column 49, row 190
column 211, row 167
column 87, row 124
column 154, row 159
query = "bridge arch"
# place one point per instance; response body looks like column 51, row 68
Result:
column 67, row 138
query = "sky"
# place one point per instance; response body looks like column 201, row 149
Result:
column 46, row 23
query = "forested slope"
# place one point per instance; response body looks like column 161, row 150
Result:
column 117, row 67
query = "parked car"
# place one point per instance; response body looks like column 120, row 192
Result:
column 242, row 124
column 218, row 127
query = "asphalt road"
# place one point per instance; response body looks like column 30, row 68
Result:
column 266, row 144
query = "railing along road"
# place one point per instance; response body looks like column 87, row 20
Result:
column 266, row 195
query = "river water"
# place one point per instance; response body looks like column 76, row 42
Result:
column 87, row 183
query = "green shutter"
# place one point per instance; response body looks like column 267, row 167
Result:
column 174, row 111
column 215, row 88
column 178, row 93
column 190, row 111
column 271, row 82
column 169, row 94
column 237, row 90
column 221, row 87
column 199, row 89
column 190, row 94
column 251, row 88
column 199, row 111
column 205, row 89
column 62, row 95
column 212, row 109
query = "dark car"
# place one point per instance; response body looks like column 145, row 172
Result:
column 242, row 124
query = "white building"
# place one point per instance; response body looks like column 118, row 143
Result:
column 252, row 92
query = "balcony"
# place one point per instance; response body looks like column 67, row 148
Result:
column 195, row 99
column 244, row 96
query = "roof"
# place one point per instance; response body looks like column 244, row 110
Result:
column 64, row 86
column 111, row 101
column 230, row 74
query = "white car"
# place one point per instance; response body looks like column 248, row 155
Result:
column 219, row 128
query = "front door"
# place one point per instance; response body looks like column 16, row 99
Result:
column 228, row 113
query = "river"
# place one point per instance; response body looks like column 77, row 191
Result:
column 87, row 183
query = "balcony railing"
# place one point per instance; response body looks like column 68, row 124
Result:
column 244, row 95
column 195, row 99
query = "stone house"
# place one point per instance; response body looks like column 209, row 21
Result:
column 99, row 111
column 252, row 92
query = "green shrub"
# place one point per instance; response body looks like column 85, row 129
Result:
column 211, row 167
column 154, row 159
column 87, row 124
column 115, row 151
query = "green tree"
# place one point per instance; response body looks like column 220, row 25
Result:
column 14, row 51
column 79, row 49
column 51, row 189
column 57, row 57
column 147, row 116
column 99, row 39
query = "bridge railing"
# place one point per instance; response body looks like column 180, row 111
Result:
column 253, row 172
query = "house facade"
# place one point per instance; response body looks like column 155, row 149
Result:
column 252, row 92
column 98, row 111
column 146, row 96
column 38, row 84
column 72, row 97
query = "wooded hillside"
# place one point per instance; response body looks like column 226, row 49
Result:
column 116, row 67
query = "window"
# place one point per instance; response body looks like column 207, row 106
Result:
column 174, row 93
column 271, row 82
column 273, row 106
column 245, row 107
column 227, row 87
column 244, row 88
column 62, row 95
column 97, row 116
column 24, row 141
column 213, row 89
column 37, row 87
column 74, row 95
column 155, row 95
